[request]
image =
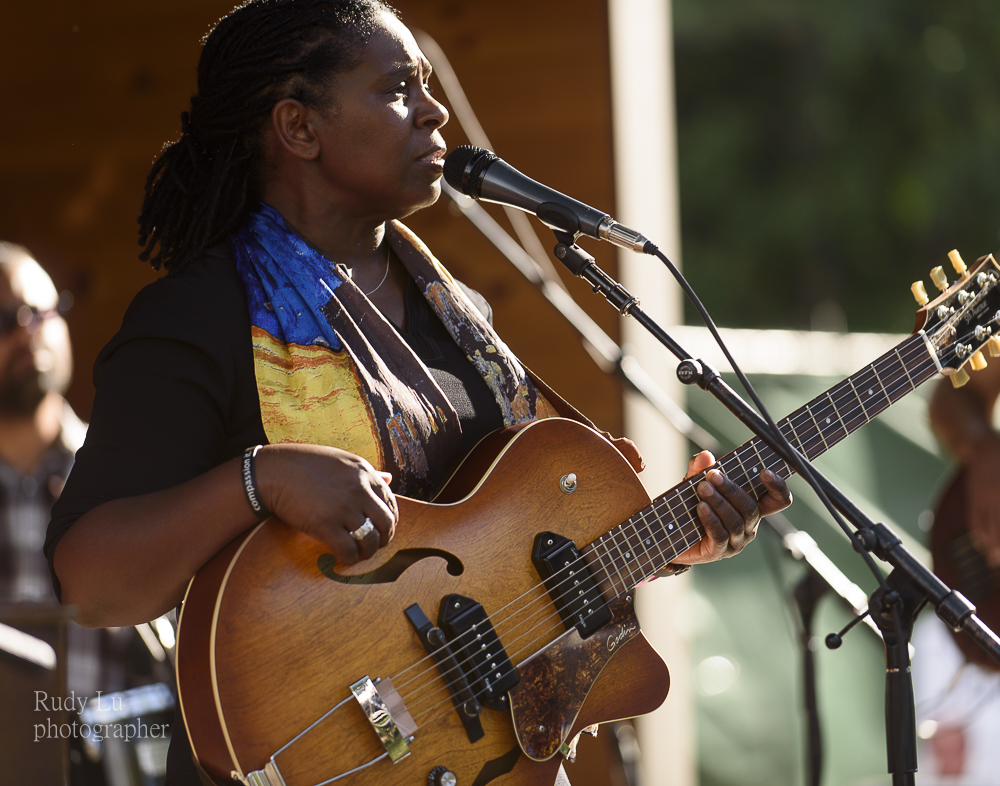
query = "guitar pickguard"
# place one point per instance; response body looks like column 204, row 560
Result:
column 556, row 681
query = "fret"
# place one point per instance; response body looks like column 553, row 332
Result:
column 770, row 460
column 651, row 557
column 826, row 446
column 622, row 555
column 689, row 500
column 752, row 472
column 895, row 379
column 657, row 536
column 614, row 565
column 749, row 478
column 852, row 408
column 675, row 531
column 757, row 469
column 787, row 424
column 837, row 431
column 649, row 540
column 615, row 554
column 674, row 526
column 731, row 470
column 902, row 363
column 596, row 563
column 870, row 392
column 632, row 547
column 887, row 382
column 805, row 427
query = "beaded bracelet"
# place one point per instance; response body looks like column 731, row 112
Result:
column 250, row 484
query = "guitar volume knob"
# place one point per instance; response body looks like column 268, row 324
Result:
column 441, row 776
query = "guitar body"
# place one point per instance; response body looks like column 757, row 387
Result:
column 960, row 565
column 273, row 635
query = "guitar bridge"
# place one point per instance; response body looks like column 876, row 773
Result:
column 393, row 730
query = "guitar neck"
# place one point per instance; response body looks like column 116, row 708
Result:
column 656, row 535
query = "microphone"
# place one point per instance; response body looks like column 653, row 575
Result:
column 479, row 174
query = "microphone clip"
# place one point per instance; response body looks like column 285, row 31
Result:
column 583, row 265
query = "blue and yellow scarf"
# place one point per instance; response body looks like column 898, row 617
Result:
column 331, row 370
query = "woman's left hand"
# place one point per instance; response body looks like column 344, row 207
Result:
column 729, row 514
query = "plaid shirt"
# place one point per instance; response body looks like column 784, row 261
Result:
column 25, row 509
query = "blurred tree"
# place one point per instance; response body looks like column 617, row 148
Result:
column 831, row 153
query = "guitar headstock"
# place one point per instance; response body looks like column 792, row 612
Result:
column 964, row 318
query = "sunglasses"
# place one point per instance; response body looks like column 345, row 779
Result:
column 23, row 316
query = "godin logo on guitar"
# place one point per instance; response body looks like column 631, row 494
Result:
column 617, row 638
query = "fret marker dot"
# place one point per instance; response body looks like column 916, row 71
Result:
column 671, row 526
column 828, row 420
column 869, row 391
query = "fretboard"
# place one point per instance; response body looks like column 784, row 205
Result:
column 657, row 534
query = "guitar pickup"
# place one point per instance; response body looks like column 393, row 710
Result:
column 477, row 647
column 434, row 641
column 567, row 577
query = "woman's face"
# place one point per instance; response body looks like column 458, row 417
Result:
column 381, row 151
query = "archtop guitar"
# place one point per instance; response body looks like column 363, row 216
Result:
column 500, row 621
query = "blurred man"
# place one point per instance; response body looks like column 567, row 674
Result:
column 39, row 436
column 39, row 433
column 958, row 703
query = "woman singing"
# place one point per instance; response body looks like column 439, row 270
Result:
column 297, row 314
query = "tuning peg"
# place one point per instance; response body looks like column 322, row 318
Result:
column 993, row 345
column 977, row 362
column 919, row 293
column 959, row 378
column 956, row 262
column 939, row 278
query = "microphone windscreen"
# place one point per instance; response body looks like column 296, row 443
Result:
column 463, row 167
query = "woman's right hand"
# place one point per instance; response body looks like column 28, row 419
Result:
column 327, row 494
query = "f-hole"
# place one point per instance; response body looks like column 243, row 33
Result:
column 392, row 570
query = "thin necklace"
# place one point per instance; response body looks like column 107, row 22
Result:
column 384, row 277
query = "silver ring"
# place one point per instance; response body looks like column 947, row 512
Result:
column 363, row 531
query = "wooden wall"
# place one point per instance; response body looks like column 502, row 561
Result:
column 90, row 91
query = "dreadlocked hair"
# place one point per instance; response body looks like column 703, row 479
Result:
column 204, row 185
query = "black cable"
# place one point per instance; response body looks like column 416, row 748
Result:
column 774, row 432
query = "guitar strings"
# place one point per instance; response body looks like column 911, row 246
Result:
column 774, row 459
column 912, row 346
column 855, row 404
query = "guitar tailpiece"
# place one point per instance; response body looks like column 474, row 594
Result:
column 269, row 776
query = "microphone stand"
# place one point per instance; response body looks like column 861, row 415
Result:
column 821, row 575
column 608, row 355
column 909, row 586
